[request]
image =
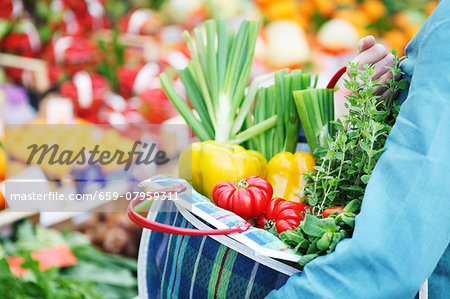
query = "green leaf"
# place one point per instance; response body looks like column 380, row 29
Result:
column 352, row 206
column 403, row 84
column 365, row 178
column 112, row 275
column 347, row 218
column 325, row 241
column 316, row 227
column 307, row 258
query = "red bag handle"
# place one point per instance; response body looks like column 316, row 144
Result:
column 165, row 228
column 336, row 77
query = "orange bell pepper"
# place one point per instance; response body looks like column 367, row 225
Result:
column 285, row 172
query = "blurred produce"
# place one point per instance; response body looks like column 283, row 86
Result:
column 338, row 36
column 140, row 21
column 286, row 45
column 113, row 233
column 70, row 37
column 87, row 91
column 2, row 162
column 396, row 22
column 95, row 274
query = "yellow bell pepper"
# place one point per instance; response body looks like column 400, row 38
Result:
column 205, row 164
column 285, row 172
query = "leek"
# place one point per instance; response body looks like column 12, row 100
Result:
column 278, row 100
column 215, row 81
column 316, row 110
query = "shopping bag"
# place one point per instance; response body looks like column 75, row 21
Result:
column 225, row 260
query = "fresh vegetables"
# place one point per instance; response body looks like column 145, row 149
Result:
column 56, row 256
column 96, row 274
column 285, row 173
column 278, row 99
column 345, row 166
column 215, row 81
column 247, row 198
column 205, row 164
column 332, row 210
column 282, row 214
column 315, row 236
column 47, row 284
column 316, row 111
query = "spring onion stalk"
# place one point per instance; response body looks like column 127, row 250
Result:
column 316, row 110
column 278, row 100
column 215, row 82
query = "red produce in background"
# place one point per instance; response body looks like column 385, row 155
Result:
column 23, row 40
column 90, row 14
column 155, row 106
column 10, row 9
column 135, row 79
column 140, row 21
column 73, row 54
column 87, row 91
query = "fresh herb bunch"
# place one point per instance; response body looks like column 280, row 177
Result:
column 344, row 168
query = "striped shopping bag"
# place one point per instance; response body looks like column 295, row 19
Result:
column 177, row 265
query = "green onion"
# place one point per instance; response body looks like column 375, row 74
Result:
column 215, row 81
column 278, row 100
column 316, row 110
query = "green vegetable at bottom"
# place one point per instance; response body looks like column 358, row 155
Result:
column 96, row 275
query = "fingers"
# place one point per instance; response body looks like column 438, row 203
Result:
column 378, row 90
column 382, row 90
column 385, row 95
column 366, row 43
column 371, row 55
column 380, row 66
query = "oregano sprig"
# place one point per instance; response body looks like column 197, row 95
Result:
column 345, row 166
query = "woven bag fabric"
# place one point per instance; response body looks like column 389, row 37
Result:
column 179, row 266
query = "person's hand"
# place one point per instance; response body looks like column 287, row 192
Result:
column 372, row 53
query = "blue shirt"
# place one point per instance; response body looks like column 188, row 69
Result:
column 402, row 234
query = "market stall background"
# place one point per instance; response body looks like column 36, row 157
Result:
column 97, row 62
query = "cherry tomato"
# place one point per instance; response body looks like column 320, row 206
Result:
column 331, row 210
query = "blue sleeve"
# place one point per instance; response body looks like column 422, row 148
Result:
column 403, row 228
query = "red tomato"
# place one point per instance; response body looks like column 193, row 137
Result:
column 331, row 210
column 286, row 214
column 248, row 198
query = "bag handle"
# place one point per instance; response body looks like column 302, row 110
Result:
column 169, row 229
column 336, row 77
